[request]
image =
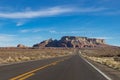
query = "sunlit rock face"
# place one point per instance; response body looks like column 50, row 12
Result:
column 21, row 46
column 71, row 41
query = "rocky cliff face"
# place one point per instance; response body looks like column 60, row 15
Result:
column 71, row 41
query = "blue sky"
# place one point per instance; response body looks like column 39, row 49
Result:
column 31, row 21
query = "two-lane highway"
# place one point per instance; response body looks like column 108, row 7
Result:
column 66, row 68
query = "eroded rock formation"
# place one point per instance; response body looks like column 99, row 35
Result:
column 71, row 41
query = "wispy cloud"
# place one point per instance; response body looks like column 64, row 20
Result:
column 19, row 23
column 7, row 40
column 103, row 37
column 30, row 30
column 25, row 30
column 34, row 30
column 48, row 12
column 53, row 31
column 40, row 13
column 71, row 32
column 91, row 9
column 6, row 37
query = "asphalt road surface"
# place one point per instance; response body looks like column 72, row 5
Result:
column 64, row 68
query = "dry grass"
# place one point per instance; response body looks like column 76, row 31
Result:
column 108, row 61
column 18, row 55
column 102, row 51
column 109, row 56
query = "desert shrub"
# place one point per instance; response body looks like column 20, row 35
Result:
column 18, row 54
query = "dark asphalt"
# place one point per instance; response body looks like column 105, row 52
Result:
column 73, row 68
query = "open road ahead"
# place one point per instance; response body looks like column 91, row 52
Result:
column 64, row 68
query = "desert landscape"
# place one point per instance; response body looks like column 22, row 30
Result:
column 93, row 49
column 60, row 40
column 13, row 55
column 109, row 56
column 68, row 47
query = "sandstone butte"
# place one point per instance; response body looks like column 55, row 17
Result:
column 71, row 42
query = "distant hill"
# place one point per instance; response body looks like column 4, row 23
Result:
column 71, row 41
column 21, row 46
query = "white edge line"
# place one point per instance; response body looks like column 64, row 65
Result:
column 97, row 69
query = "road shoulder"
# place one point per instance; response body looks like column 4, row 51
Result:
column 113, row 74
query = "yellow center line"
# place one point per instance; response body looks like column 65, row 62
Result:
column 31, row 73
column 27, row 73
column 15, row 78
column 23, row 78
column 54, row 63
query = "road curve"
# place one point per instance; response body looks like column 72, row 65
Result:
column 65, row 68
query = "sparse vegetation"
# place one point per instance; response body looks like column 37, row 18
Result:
column 108, row 61
column 108, row 56
column 18, row 55
column 102, row 51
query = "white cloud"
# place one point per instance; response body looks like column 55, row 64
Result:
column 47, row 12
column 40, row 13
column 6, row 37
column 71, row 32
column 7, row 40
column 53, row 31
column 25, row 30
column 91, row 9
column 34, row 30
column 103, row 37
column 30, row 30
column 20, row 23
